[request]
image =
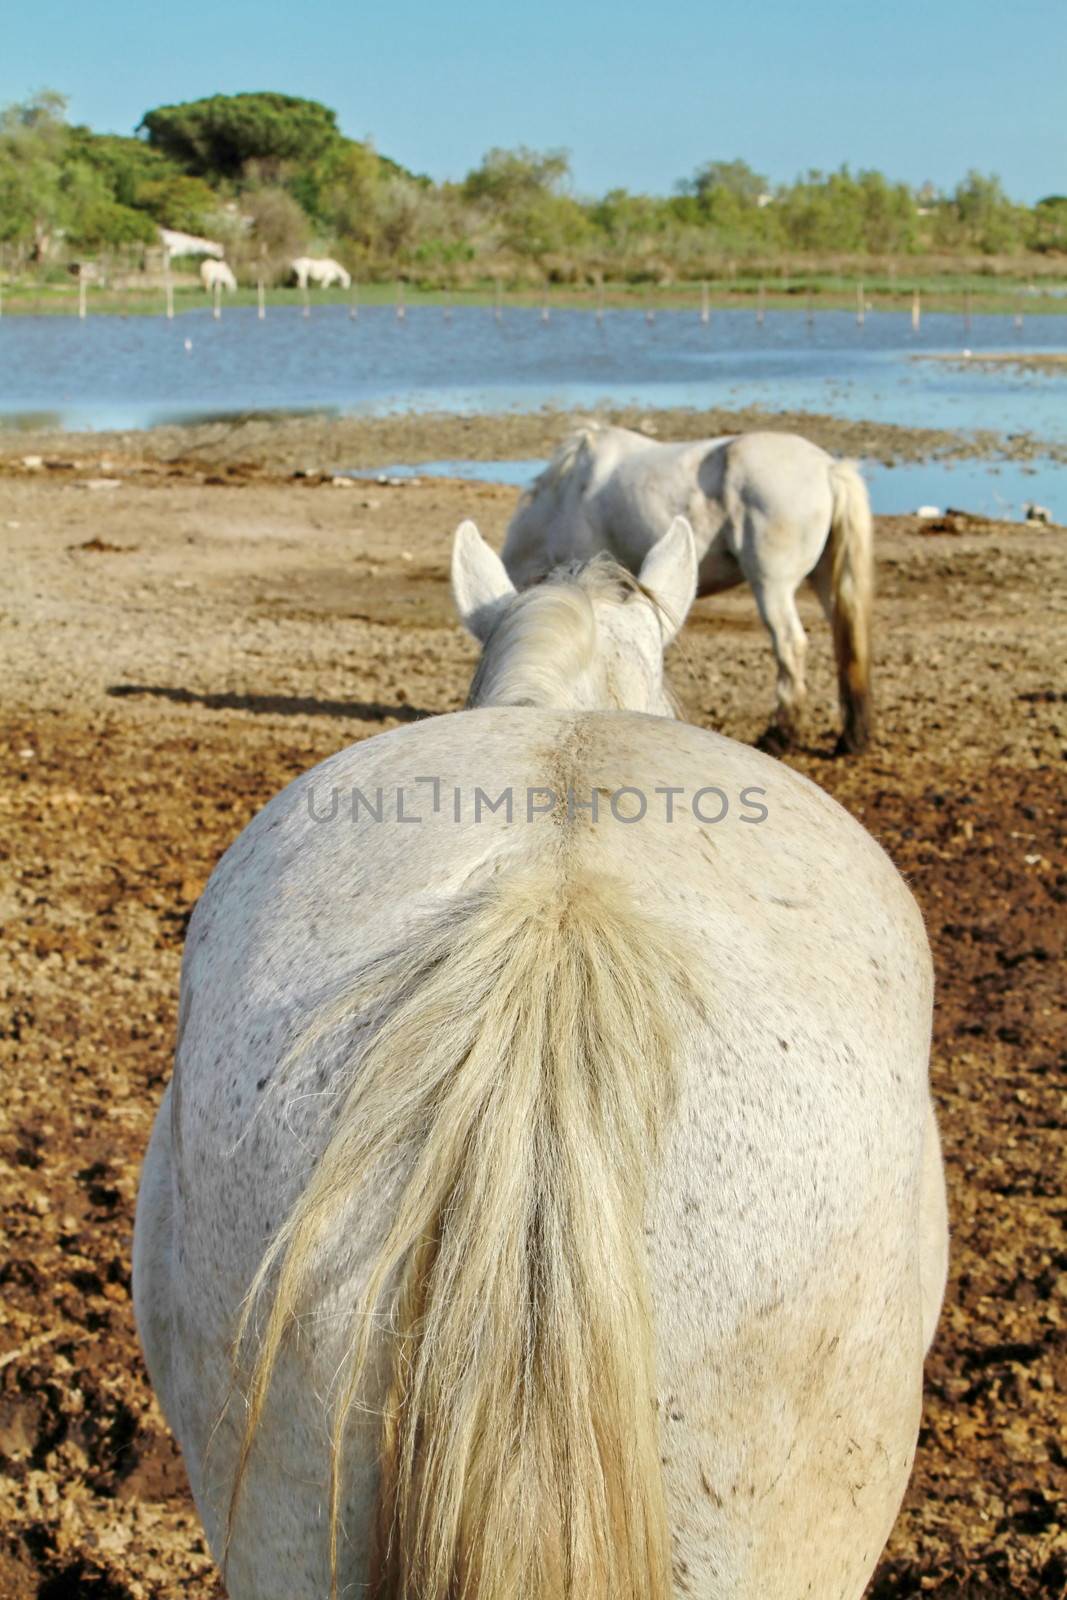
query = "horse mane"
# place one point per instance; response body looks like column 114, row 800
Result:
column 570, row 469
column 547, row 636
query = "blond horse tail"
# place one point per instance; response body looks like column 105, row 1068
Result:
column 852, row 595
column 521, row 1063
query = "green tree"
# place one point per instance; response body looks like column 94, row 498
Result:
column 1048, row 224
column 516, row 178
column 986, row 218
column 216, row 138
column 31, row 170
column 734, row 178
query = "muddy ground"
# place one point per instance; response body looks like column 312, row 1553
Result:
column 177, row 648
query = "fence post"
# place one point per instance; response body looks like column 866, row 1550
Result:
column 916, row 310
column 81, row 290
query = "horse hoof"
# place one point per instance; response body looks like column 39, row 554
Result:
column 774, row 741
column 849, row 745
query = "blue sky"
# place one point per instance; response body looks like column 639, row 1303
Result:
column 640, row 95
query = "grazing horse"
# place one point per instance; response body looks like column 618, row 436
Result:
column 546, row 1204
column 321, row 272
column 216, row 272
column 771, row 508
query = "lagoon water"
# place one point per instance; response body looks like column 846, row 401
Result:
column 989, row 488
column 130, row 372
column 127, row 372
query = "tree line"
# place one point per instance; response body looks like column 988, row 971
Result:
column 272, row 176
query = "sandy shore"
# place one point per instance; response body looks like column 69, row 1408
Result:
column 180, row 644
column 331, row 444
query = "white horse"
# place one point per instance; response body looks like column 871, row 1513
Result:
column 216, row 272
column 321, row 272
column 771, row 508
column 547, row 1202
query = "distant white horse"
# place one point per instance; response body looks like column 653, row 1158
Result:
column 216, row 272
column 321, row 272
column 771, row 508
column 549, row 1138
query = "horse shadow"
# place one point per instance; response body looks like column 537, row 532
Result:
column 274, row 704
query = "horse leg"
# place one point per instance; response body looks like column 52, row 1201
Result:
column 777, row 607
column 933, row 1230
column 821, row 580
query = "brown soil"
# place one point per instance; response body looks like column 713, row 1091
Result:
column 178, row 649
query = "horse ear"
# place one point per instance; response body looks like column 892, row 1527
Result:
column 481, row 587
column 669, row 573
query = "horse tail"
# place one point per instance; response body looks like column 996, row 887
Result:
column 521, row 1067
column 852, row 597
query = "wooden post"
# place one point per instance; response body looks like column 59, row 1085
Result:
column 861, row 304
column 216, row 310
column 705, row 309
column 916, row 310
column 1018, row 318
column 82, row 285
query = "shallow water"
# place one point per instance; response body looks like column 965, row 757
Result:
column 991, row 488
column 115, row 372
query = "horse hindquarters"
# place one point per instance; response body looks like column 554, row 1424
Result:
column 933, row 1230
column 152, row 1245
